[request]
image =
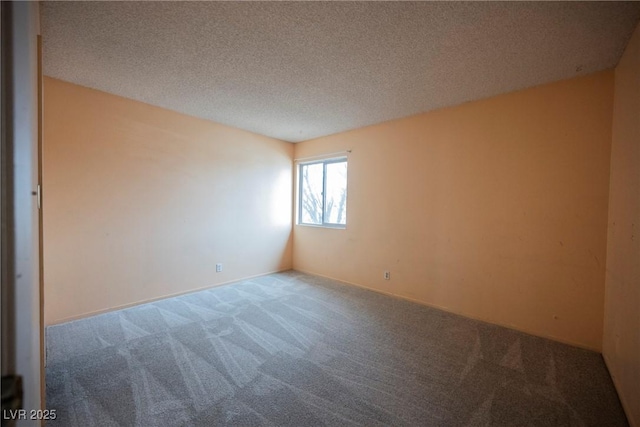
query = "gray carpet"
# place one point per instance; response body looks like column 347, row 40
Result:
column 294, row 349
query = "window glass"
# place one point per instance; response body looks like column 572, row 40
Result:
column 335, row 210
column 311, row 193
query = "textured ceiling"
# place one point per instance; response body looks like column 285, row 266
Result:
column 296, row 71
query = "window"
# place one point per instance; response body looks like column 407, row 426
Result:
column 322, row 193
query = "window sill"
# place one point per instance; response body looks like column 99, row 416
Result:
column 331, row 227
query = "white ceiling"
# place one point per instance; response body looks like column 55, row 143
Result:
column 296, row 71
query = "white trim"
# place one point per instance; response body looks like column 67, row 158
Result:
column 337, row 155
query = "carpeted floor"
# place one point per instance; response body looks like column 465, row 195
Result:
column 299, row 350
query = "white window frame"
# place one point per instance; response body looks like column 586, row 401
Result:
column 324, row 163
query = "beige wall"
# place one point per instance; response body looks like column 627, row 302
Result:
column 495, row 209
column 621, row 346
column 141, row 202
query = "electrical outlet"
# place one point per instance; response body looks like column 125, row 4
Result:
column 387, row 275
column 218, row 268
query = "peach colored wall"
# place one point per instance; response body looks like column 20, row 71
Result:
column 141, row 202
column 621, row 344
column 495, row 209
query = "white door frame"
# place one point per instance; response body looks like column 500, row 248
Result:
column 22, row 350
